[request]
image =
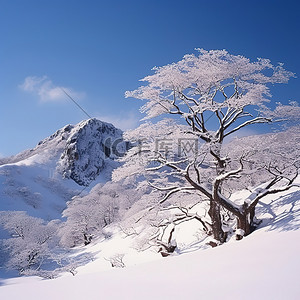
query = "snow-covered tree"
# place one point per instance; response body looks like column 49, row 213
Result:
column 31, row 240
column 86, row 216
column 215, row 94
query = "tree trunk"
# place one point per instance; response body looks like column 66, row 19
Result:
column 214, row 210
column 87, row 239
column 167, row 248
column 214, row 213
column 243, row 226
column 244, row 221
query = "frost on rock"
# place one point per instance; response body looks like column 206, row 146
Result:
column 90, row 147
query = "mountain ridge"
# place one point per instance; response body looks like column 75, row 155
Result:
column 41, row 180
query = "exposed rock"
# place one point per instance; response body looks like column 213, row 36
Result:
column 91, row 145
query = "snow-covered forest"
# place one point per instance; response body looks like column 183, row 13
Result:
column 188, row 190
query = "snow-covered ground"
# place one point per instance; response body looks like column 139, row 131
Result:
column 264, row 265
column 30, row 185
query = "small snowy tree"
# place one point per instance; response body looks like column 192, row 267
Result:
column 215, row 94
column 88, row 215
column 31, row 240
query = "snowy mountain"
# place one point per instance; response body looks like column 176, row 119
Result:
column 41, row 180
column 87, row 149
column 70, row 162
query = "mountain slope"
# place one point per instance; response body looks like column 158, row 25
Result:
column 41, row 180
column 263, row 265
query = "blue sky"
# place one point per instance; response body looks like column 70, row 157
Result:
column 97, row 50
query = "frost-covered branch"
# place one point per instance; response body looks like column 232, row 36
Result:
column 268, row 190
column 249, row 122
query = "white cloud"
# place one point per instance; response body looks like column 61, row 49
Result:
column 242, row 133
column 129, row 121
column 2, row 155
column 46, row 90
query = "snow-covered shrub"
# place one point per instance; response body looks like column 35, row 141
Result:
column 86, row 216
column 31, row 240
column 116, row 260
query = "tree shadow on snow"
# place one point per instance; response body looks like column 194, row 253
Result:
column 284, row 213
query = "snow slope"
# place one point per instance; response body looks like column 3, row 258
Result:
column 264, row 265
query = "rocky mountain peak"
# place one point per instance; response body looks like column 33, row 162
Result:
column 90, row 147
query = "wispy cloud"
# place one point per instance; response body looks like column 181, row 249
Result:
column 242, row 133
column 129, row 121
column 44, row 88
